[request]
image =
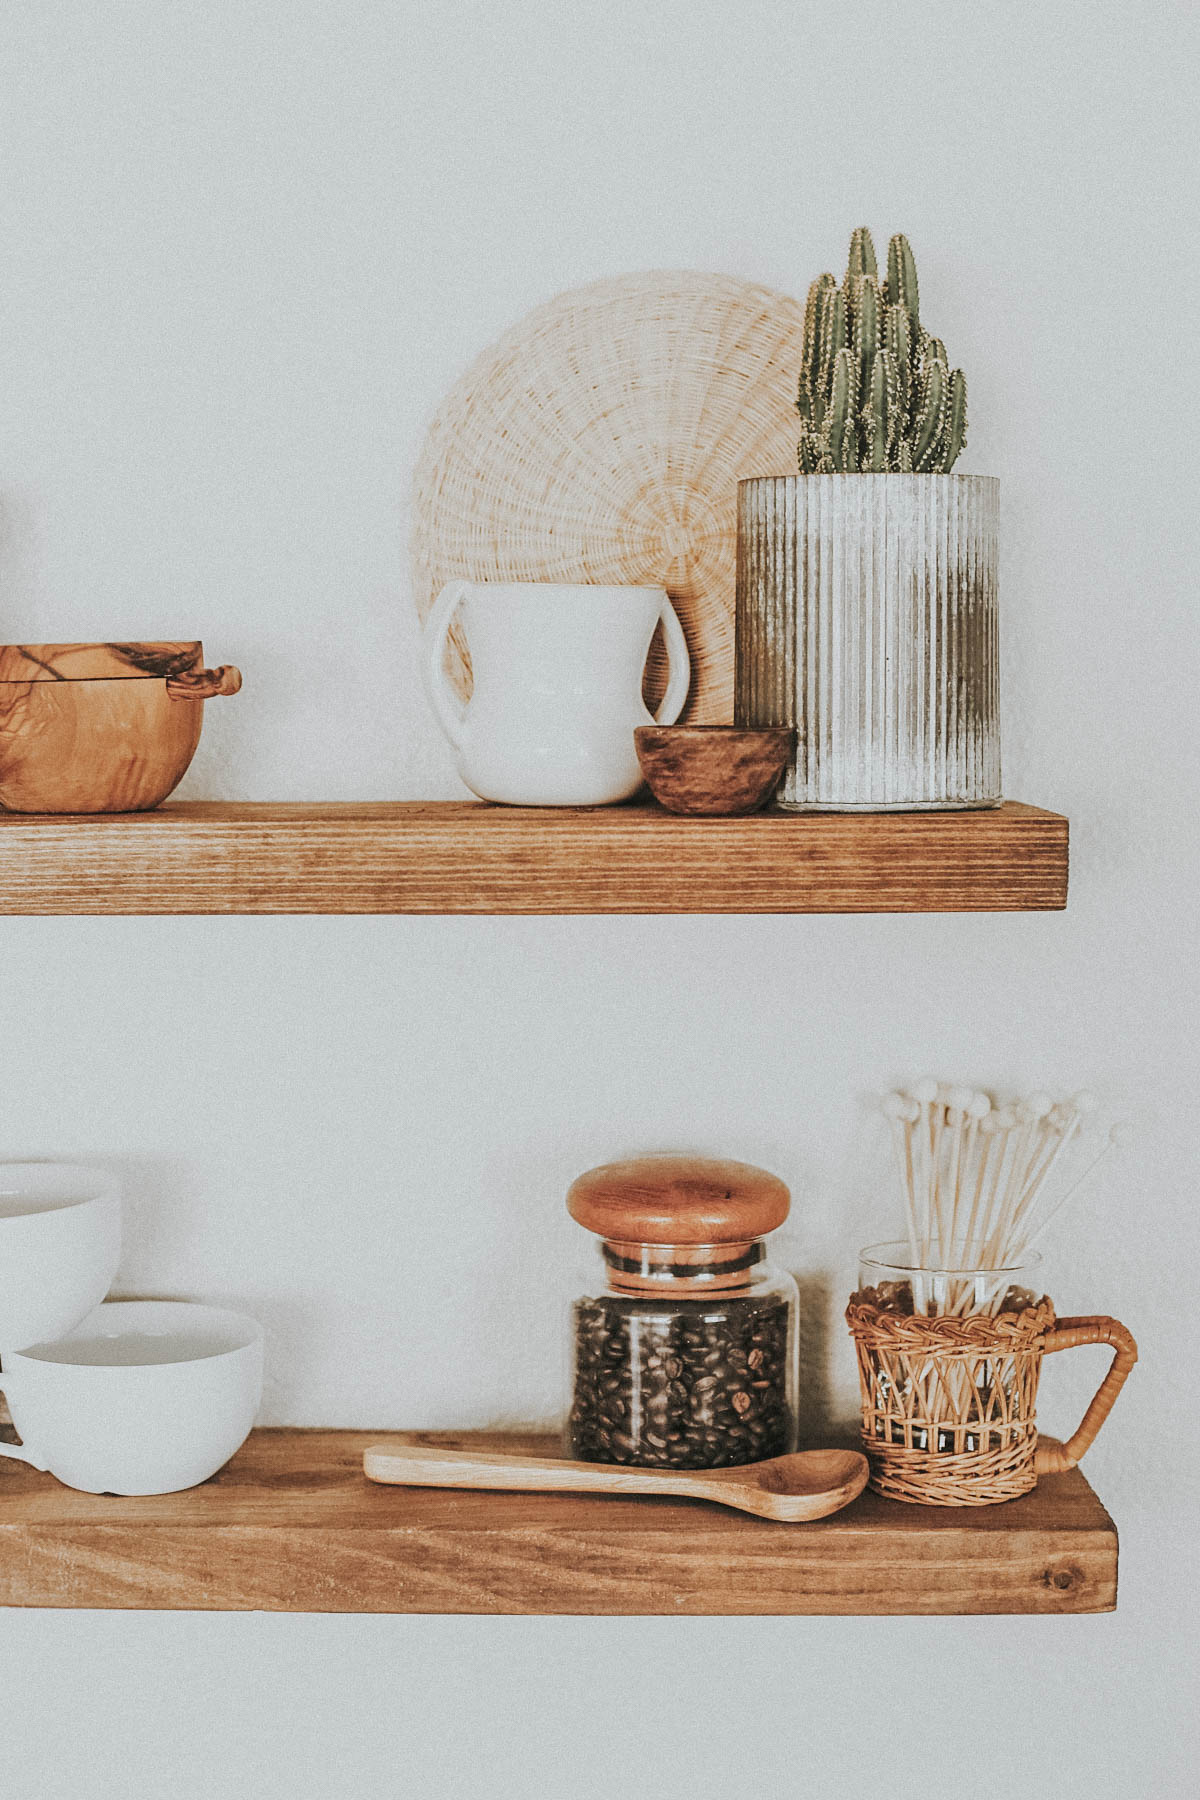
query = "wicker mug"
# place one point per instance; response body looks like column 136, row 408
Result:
column 949, row 1397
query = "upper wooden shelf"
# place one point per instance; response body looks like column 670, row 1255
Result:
column 467, row 857
column 293, row 1525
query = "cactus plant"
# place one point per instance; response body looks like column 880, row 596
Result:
column 876, row 390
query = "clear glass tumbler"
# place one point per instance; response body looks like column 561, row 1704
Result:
column 902, row 1284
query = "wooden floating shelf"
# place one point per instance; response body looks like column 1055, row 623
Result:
column 293, row 1525
column 466, row 857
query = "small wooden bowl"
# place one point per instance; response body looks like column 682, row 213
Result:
column 87, row 728
column 713, row 770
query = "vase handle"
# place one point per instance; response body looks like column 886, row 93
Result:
column 448, row 710
column 680, row 664
column 1069, row 1334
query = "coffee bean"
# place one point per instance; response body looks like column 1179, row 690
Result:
column 668, row 1383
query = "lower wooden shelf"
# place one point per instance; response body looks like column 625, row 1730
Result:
column 293, row 1525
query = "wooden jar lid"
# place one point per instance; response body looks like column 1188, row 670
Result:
column 99, row 662
column 678, row 1200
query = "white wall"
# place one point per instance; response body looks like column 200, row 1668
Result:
column 243, row 250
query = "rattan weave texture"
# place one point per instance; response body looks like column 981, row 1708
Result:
column 949, row 1404
column 601, row 440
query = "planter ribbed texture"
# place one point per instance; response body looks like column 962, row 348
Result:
column 866, row 617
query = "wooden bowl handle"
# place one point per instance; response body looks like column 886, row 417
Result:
column 1068, row 1334
column 205, row 684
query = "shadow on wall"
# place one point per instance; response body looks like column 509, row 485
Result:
column 160, row 1205
column 19, row 548
column 817, row 1418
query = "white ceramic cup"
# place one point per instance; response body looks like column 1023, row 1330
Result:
column 60, row 1243
column 143, row 1397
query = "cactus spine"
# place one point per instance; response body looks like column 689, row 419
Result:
column 876, row 389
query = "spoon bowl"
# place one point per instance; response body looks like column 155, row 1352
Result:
column 807, row 1484
column 788, row 1487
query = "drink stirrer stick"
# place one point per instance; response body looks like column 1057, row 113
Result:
column 997, row 1162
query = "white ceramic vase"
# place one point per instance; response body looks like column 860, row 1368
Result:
column 557, row 693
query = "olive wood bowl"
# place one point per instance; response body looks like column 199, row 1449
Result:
column 713, row 770
column 90, row 728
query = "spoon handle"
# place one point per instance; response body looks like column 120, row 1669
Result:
column 421, row 1465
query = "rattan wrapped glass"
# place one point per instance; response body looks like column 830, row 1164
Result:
column 949, row 1399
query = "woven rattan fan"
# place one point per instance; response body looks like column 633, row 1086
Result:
column 602, row 440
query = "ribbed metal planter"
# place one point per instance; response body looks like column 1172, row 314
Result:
column 866, row 617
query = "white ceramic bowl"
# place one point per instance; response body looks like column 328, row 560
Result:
column 143, row 1397
column 60, row 1243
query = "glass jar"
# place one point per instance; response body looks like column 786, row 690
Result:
column 898, row 1282
column 683, row 1347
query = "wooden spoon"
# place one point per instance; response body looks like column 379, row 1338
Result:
column 809, row 1484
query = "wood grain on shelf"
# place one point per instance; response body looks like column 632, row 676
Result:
column 466, row 857
column 293, row 1525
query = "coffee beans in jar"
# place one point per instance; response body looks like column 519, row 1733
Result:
column 680, row 1384
column 683, row 1354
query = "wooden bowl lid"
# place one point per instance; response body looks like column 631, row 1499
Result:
column 678, row 1200
column 98, row 662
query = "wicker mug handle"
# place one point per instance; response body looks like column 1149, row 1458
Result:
column 1068, row 1334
